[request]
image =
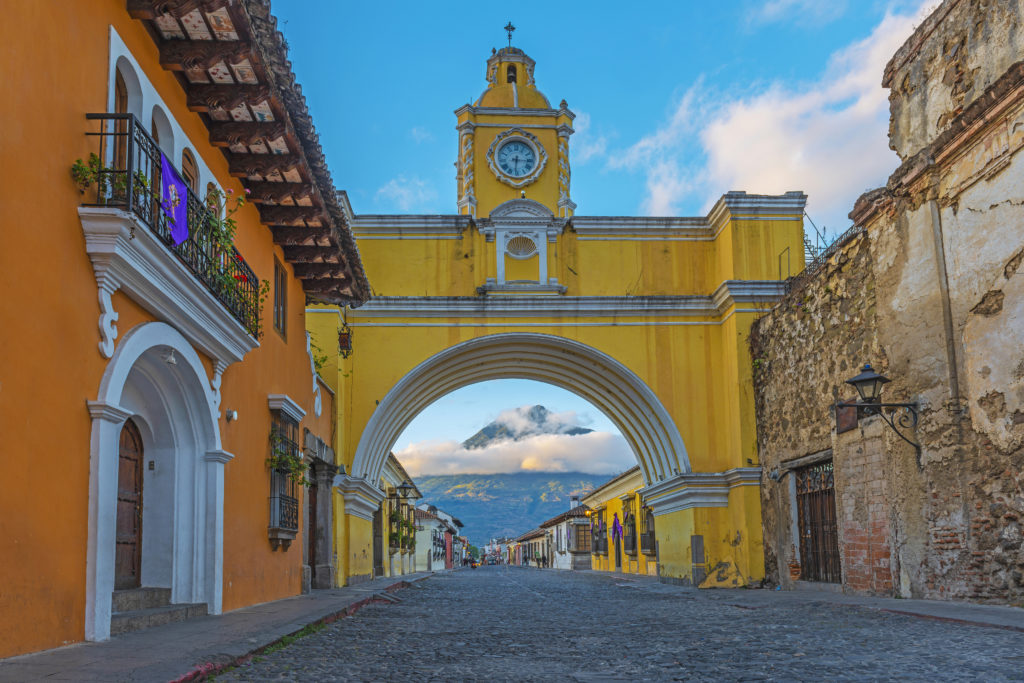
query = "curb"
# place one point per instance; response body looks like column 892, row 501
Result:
column 205, row 671
column 953, row 620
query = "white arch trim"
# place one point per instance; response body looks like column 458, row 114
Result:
column 597, row 377
column 108, row 418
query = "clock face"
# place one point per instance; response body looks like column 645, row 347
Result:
column 516, row 158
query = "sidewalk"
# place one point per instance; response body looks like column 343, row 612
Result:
column 993, row 616
column 186, row 648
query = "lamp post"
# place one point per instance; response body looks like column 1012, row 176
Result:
column 869, row 387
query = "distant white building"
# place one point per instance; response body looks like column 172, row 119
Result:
column 568, row 537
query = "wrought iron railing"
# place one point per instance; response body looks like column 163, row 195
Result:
column 128, row 176
column 819, row 259
column 284, row 512
column 647, row 543
column 629, row 544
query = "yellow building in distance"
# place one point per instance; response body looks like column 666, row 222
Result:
column 646, row 318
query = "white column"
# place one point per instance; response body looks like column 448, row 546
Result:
column 107, row 421
column 214, row 588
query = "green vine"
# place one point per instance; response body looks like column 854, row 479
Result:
column 319, row 357
column 286, row 460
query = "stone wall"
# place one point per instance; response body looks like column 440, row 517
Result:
column 933, row 296
column 960, row 50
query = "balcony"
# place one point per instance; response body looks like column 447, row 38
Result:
column 199, row 283
column 647, row 543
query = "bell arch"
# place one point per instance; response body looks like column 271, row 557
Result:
column 595, row 376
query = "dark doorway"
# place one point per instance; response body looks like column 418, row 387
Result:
column 378, row 544
column 618, row 553
column 128, row 556
column 311, row 494
column 816, row 517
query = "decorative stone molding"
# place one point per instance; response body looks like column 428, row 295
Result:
column 757, row 294
column 126, row 255
column 317, row 398
column 467, row 196
column 697, row 489
column 361, row 497
column 287, row 406
column 594, row 376
column 529, row 139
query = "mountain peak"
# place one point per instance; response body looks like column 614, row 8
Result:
column 521, row 423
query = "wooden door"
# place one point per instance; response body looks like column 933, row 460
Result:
column 311, row 496
column 128, row 557
column 378, row 544
column 816, row 516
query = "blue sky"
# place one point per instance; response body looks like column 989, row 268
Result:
column 677, row 103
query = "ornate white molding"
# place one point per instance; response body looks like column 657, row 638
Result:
column 108, row 412
column 126, row 255
column 218, row 374
column 287, row 406
column 218, row 456
column 361, row 497
column 317, row 398
column 728, row 294
column 106, row 286
column 527, row 138
column 697, row 489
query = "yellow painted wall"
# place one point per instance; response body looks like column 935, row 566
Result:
column 696, row 363
column 55, row 65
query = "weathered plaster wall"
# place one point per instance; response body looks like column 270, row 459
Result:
column 949, row 61
column 938, row 286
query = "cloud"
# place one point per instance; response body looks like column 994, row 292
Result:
column 406, row 194
column 595, row 453
column 827, row 138
column 421, row 134
column 814, row 12
column 586, row 145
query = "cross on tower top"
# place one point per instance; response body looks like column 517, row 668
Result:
column 510, row 28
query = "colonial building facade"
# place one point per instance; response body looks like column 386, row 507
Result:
column 154, row 328
column 647, row 318
column 924, row 499
column 622, row 530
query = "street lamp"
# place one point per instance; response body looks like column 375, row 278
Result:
column 405, row 488
column 869, row 386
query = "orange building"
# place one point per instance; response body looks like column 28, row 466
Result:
column 156, row 408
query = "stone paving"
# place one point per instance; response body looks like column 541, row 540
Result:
column 508, row 623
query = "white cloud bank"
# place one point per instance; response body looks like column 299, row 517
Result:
column 539, row 447
column 594, row 453
column 827, row 138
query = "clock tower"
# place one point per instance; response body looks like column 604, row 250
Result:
column 512, row 143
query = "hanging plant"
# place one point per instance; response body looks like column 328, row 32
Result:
column 286, row 460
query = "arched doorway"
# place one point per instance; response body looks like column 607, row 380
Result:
column 128, row 558
column 155, row 407
column 587, row 372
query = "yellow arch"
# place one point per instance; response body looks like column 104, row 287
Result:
column 608, row 384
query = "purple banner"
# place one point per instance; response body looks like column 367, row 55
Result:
column 174, row 199
column 616, row 527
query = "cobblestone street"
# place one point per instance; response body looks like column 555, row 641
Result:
column 501, row 623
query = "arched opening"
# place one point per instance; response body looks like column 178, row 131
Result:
column 190, row 170
column 131, row 97
column 596, row 377
column 127, row 99
column 162, row 132
column 155, row 383
column 510, row 74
